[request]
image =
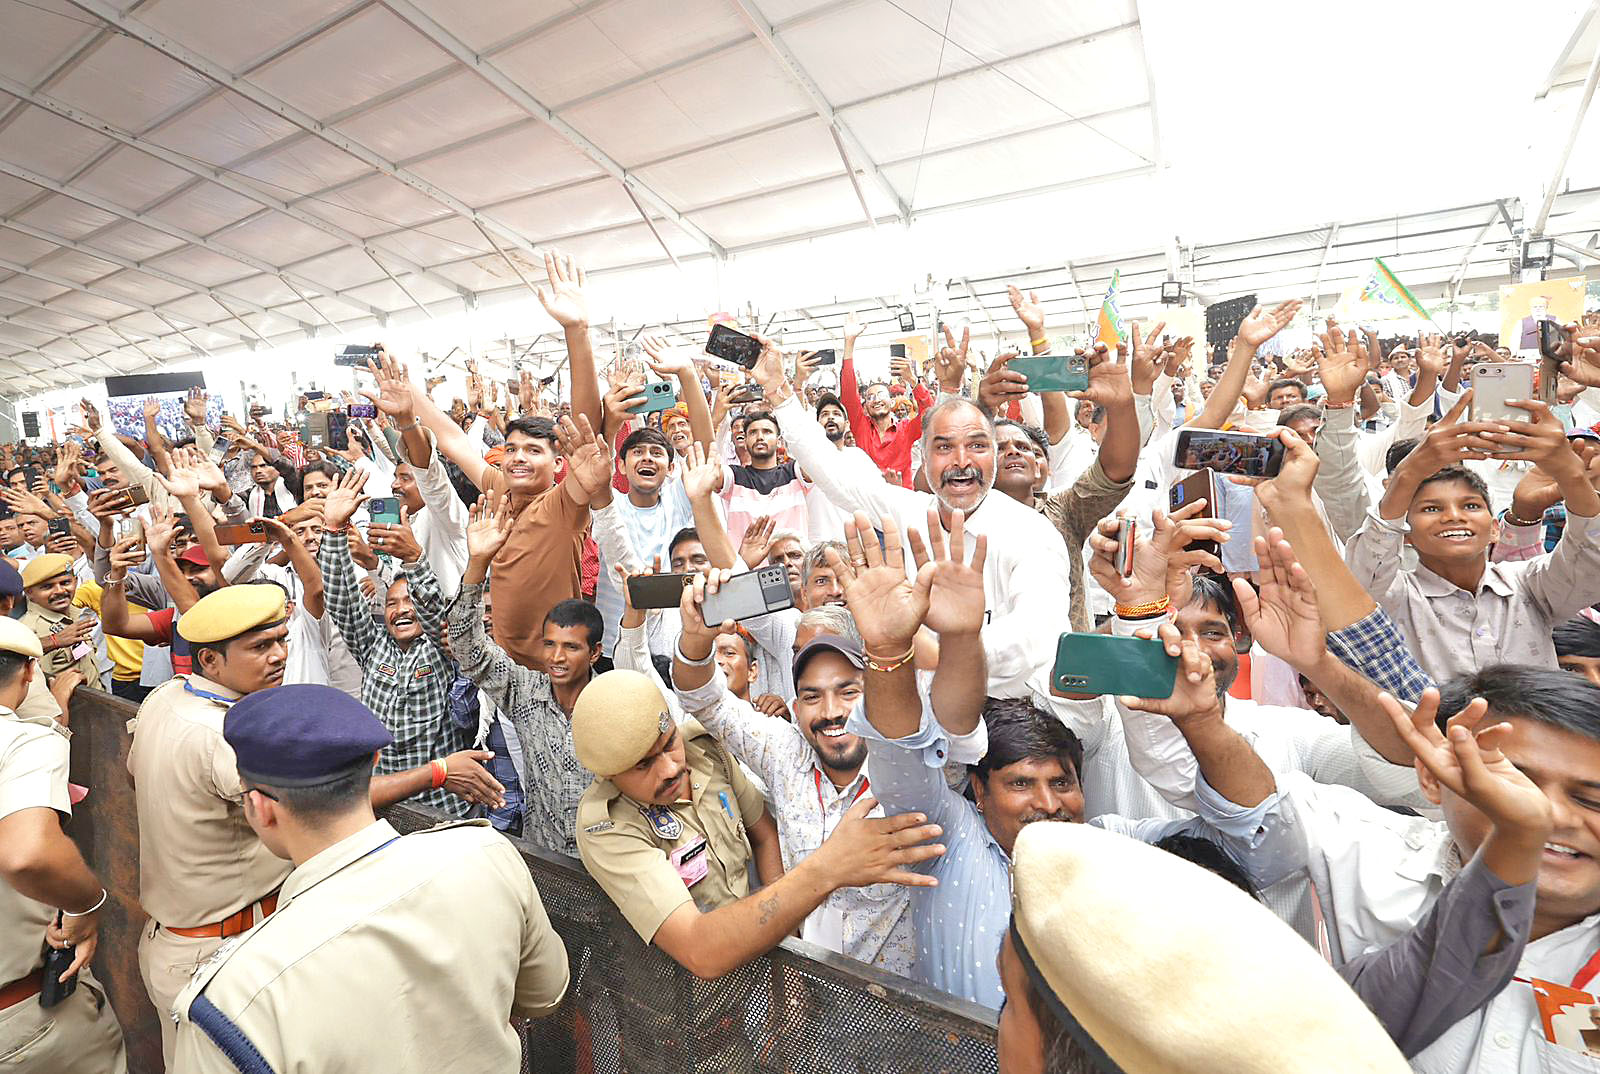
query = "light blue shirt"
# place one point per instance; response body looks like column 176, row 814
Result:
column 957, row 927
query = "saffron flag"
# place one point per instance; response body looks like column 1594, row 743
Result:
column 1384, row 287
column 1109, row 329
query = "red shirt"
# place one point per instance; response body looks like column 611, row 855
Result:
column 182, row 659
column 890, row 452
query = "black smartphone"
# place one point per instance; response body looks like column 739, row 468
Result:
column 897, row 350
column 748, row 393
column 30, row 474
column 362, row 410
column 355, row 356
column 733, row 346
column 1244, row 454
column 312, row 397
column 649, row 591
column 827, row 357
column 338, row 431
column 60, row 527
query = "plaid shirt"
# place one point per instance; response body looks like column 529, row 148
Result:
column 555, row 779
column 1373, row 646
column 408, row 688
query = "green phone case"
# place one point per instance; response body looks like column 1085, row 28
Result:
column 1103, row 664
column 1053, row 372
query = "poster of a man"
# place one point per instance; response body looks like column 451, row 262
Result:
column 1524, row 305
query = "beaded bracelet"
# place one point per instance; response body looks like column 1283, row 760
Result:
column 893, row 664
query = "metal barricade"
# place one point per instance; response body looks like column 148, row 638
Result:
column 630, row 1008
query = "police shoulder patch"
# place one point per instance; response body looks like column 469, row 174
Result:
column 603, row 826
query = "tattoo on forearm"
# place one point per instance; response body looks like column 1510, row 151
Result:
column 769, row 906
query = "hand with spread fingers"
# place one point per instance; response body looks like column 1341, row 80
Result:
column 956, row 599
column 887, row 606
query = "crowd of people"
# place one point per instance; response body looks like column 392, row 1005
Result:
column 1305, row 778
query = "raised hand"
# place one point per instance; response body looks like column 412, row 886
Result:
column 951, row 361
column 888, row 607
column 1145, row 358
column 588, row 456
column 1282, row 614
column 1466, row 759
column 91, row 415
column 393, row 395
column 956, row 598
column 702, row 474
column 488, row 525
column 1194, row 695
column 1342, row 364
column 398, row 541
column 768, row 371
column 665, row 359
column 852, row 327
column 1581, row 354
column 1001, row 385
column 565, row 301
column 194, row 406
column 25, row 503
column 527, row 392
column 701, row 634
column 1029, row 310
column 152, row 409
column 67, row 462
column 757, row 540
column 1261, row 326
column 1109, row 385
column 805, row 364
column 1153, row 556
column 344, row 497
column 161, row 530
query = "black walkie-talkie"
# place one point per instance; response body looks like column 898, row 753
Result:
column 54, row 990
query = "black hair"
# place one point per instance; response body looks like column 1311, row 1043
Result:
column 1299, row 412
column 297, row 484
column 749, row 644
column 534, row 428
column 1032, row 432
column 827, row 399
column 1209, row 856
column 644, row 435
column 1456, row 473
column 571, row 613
column 1018, row 731
column 1546, row 695
column 1397, row 453
column 325, row 801
column 1213, row 592
column 688, row 533
column 1578, row 636
column 11, row 665
column 761, row 415
column 1288, row 382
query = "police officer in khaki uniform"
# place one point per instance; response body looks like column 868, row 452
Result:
column 204, row 875
column 387, row 952
column 42, row 874
column 44, row 699
column 50, row 586
column 669, row 831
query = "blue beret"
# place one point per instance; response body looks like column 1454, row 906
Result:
column 10, row 580
column 302, row 735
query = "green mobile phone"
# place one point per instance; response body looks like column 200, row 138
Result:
column 1053, row 372
column 1105, row 664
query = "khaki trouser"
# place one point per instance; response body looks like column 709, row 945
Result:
column 166, row 962
column 79, row 1034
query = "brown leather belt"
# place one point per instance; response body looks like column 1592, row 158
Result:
column 20, row 989
column 234, row 924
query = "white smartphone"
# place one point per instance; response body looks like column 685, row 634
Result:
column 1494, row 384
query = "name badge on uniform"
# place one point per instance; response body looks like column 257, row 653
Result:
column 663, row 820
column 386, row 670
column 81, row 650
column 690, row 861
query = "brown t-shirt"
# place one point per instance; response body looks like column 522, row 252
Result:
column 536, row 569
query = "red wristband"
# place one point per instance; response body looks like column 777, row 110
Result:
column 440, row 773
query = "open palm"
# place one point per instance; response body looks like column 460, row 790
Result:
column 565, row 300
column 956, row 600
column 488, row 524
column 1261, row 326
column 887, row 606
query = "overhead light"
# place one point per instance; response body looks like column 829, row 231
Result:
column 908, row 320
column 1171, row 292
column 1538, row 253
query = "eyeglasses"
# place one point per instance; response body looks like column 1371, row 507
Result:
column 268, row 795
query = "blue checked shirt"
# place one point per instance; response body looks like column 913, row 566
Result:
column 1373, row 646
column 408, row 688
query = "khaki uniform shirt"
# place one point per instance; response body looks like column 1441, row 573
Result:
column 653, row 859
column 40, row 701
column 198, row 859
column 33, row 774
column 388, row 953
column 43, row 622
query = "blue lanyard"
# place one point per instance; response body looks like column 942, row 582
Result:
column 208, row 695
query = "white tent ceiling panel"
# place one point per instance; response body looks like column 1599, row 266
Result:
column 484, row 274
column 129, row 177
column 507, row 165
column 133, row 241
column 126, row 83
column 362, row 57
column 23, row 249
column 74, row 266
column 453, row 108
column 224, row 128
column 205, row 267
column 36, row 36
column 242, row 37
column 437, row 243
column 374, row 206
column 569, row 210
column 770, row 216
column 613, row 249
column 15, row 193
column 276, row 240
column 792, row 154
column 690, row 106
column 300, row 168
column 206, row 208
column 340, row 268
column 54, row 148
column 485, row 23
column 862, row 50
column 97, row 309
column 67, row 217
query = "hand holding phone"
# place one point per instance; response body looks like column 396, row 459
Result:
column 734, row 346
column 252, row 532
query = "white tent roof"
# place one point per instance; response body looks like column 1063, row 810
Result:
column 203, row 176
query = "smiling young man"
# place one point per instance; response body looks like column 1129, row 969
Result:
column 50, row 584
column 1458, row 611
column 538, row 704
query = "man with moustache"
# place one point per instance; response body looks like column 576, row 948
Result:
column 1026, row 571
